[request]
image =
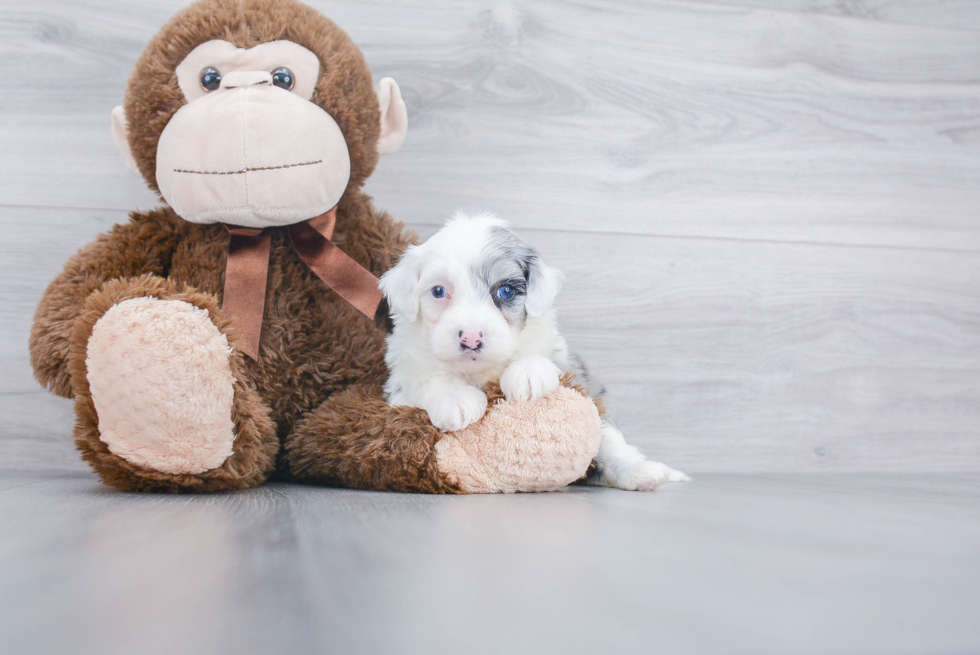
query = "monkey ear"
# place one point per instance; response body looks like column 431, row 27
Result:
column 394, row 116
column 398, row 285
column 120, row 134
column 543, row 285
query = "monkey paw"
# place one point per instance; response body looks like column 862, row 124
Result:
column 520, row 446
column 161, row 383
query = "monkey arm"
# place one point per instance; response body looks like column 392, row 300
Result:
column 143, row 245
column 355, row 439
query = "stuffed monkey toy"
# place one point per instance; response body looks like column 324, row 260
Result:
column 236, row 333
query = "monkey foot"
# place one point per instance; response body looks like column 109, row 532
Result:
column 162, row 385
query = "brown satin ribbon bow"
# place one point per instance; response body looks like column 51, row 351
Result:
column 247, row 271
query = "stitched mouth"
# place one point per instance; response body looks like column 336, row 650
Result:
column 248, row 169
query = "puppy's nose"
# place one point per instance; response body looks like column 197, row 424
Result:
column 470, row 339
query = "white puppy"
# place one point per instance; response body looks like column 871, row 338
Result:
column 473, row 305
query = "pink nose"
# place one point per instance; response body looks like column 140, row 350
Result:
column 470, row 339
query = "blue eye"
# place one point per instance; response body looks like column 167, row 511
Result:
column 506, row 292
column 438, row 292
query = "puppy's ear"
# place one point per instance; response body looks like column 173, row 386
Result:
column 543, row 284
column 398, row 285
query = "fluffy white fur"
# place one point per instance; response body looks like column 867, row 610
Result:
column 473, row 305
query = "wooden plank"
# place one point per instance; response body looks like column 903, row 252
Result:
column 759, row 356
column 958, row 14
column 35, row 245
column 653, row 118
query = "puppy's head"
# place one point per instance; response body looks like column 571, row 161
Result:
column 471, row 288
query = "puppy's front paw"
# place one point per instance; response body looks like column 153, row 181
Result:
column 529, row 379
column 457, row 409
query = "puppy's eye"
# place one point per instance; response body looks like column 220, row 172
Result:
column 210, row 79
column 438, row 292
column 505, row 292
column 283, row 78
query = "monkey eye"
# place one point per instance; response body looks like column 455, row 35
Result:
column 283, row 78
column 210, row 79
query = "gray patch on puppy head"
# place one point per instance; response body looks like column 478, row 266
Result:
column 505, row 260
column 503, row 249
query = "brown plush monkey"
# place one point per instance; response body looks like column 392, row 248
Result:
column 232, row 334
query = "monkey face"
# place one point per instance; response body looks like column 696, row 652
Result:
column 249, row 148
column 256, row 139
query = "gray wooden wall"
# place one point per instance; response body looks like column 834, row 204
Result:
column 768, row 211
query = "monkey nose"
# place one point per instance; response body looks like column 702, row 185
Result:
column 237, row 79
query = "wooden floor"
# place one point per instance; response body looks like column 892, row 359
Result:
column 768, row 212
column 732, row 564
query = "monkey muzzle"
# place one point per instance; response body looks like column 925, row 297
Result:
column 251, row 154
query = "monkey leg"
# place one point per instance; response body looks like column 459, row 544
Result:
column 355, row 439
column 161, row 398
